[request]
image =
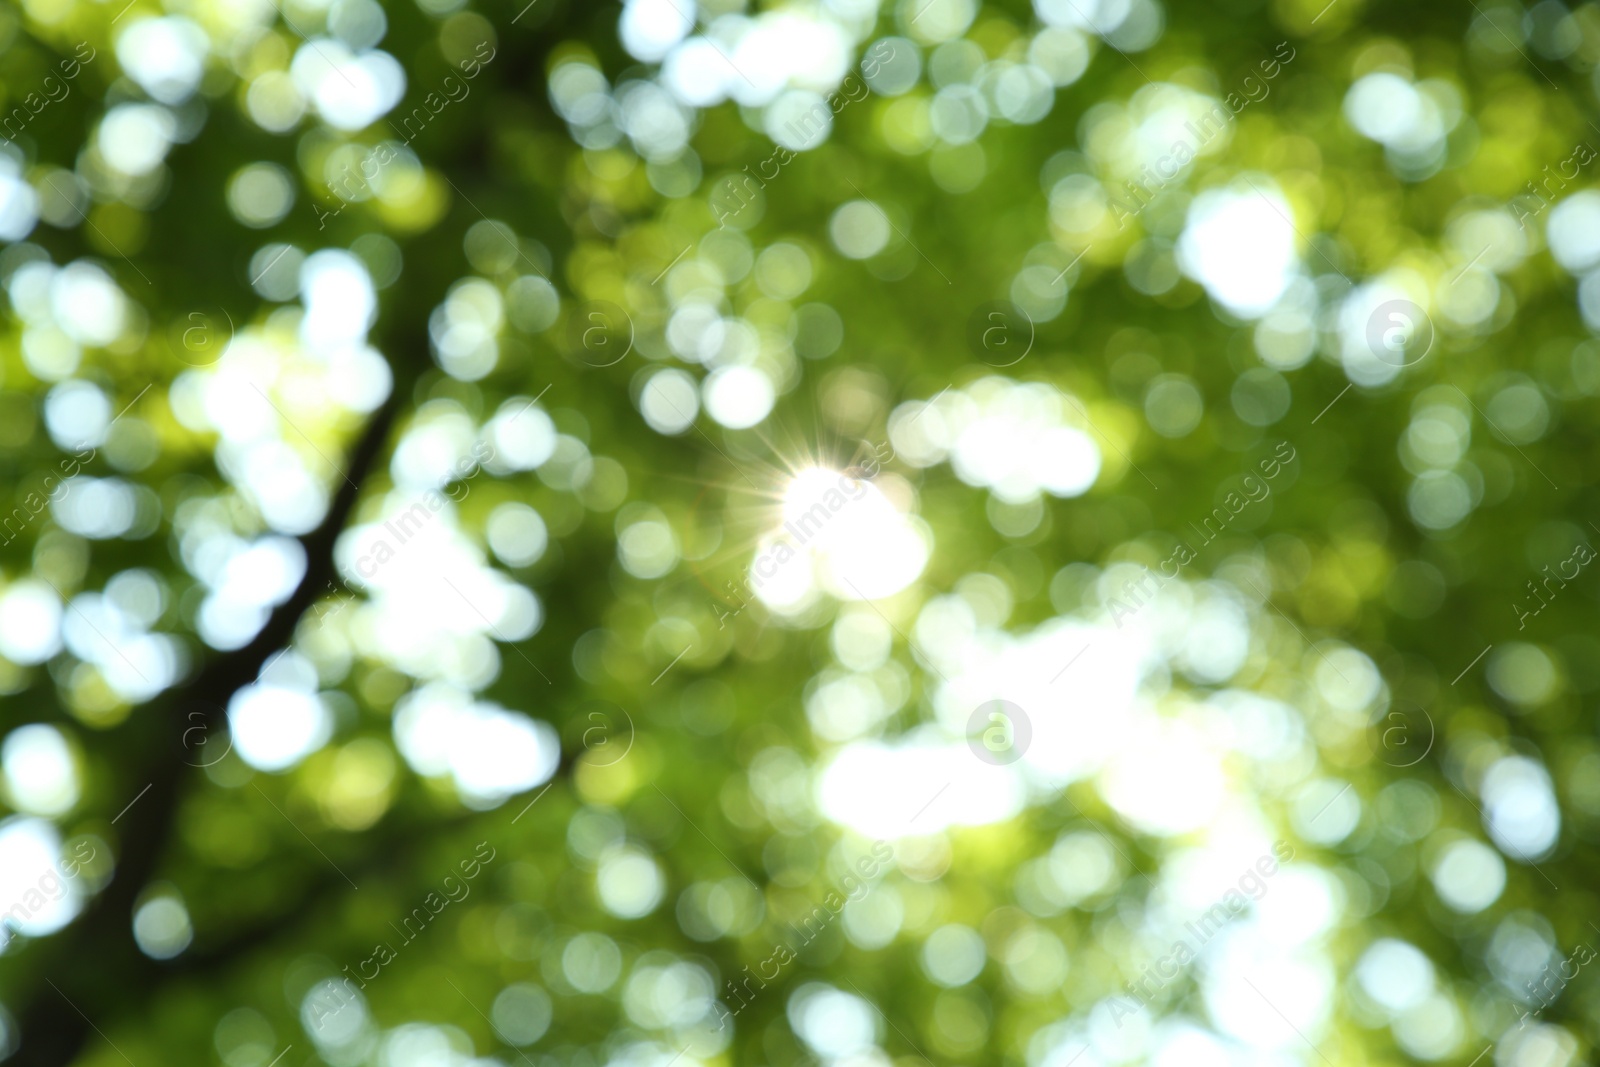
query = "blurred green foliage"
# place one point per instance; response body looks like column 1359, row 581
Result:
column 287, row 878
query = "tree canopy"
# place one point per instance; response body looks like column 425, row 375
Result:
column 821, row 532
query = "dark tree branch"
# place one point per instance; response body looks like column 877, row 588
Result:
column 53, row 1026
column 78, row 979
